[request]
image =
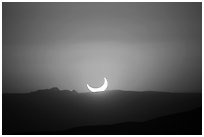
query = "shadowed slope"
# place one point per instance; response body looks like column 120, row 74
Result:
column 185, row 123
column 54, row 109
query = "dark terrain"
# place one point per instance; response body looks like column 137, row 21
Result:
column 54, row 111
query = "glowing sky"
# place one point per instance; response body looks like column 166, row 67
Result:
column 136, row 46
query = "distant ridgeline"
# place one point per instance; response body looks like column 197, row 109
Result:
column 52, row 90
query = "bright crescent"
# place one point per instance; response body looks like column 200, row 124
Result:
column 102, row 88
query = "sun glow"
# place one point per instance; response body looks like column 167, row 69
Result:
column 100, row 89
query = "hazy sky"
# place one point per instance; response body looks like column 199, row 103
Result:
column 136, row 46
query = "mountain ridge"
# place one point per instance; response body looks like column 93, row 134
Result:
column 54, row 109
column 56, row 89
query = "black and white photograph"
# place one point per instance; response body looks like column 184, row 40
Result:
column 101, row 68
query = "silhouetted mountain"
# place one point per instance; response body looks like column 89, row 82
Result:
column 57, row 110
column 53, row 91
column 185, row 123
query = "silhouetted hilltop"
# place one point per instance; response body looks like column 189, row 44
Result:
column 54, row 90
column 54, row 109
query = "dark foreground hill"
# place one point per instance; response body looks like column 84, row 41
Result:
column 185, row 123
column 55, row 111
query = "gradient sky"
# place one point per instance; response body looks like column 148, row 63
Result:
column 136, row 46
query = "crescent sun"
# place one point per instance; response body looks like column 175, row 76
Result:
column 102, row 88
